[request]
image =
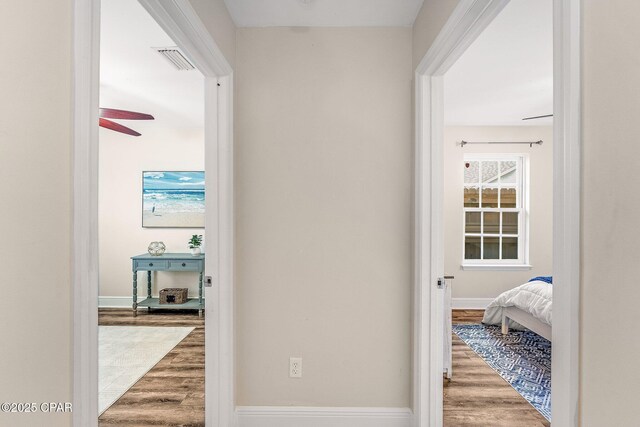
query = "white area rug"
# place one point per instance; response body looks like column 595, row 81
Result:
column 126, row 353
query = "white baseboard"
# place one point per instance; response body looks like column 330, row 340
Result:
column 298, row 416
column 117, row 302
column 470, row 303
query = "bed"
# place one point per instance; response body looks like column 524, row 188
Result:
column 525, row 306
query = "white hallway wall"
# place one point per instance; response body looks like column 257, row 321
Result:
column 122, row 160
column 489, row 284
column 35, row 219
column 610, row 206
column 323, row 216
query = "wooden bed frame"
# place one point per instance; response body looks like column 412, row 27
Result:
column 526, row 320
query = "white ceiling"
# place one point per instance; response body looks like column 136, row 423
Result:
column 135, row 77
column 324, row 13
column 507, row 73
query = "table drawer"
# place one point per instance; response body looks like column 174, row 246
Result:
column 179, row 265
column 153, row 265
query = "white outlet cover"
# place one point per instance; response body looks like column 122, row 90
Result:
column 295, row 367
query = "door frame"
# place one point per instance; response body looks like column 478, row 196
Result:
column 465, row 24
column 182, row 24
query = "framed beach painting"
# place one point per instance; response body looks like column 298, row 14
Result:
column 172, row 199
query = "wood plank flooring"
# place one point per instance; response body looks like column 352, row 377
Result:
column 172, row 392
column 477, row 395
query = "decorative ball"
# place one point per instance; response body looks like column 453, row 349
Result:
column 156, row 248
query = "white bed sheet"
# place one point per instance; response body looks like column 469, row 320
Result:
column 533, row 297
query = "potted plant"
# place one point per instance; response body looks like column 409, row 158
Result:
column 194, row 244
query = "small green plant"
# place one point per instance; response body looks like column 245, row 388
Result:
column 195, row 241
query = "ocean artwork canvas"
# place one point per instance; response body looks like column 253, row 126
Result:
column 173, row 199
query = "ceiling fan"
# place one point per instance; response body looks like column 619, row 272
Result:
column 538, row 117
column 111, row 113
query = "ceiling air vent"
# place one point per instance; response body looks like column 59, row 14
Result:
column 176, row 57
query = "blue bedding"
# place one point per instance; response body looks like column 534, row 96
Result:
column 547, row 279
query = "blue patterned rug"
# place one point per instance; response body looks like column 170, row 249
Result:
column 522, row 358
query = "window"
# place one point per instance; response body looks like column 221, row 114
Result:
column 495, row 211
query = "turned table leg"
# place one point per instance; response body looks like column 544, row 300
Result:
column 135, row 293
column 200, row 293
column 148, row 287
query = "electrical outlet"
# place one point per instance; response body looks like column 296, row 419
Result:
column 295, row 367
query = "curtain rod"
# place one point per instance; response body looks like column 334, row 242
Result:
column 463, row 143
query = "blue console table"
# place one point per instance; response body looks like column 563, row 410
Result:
column 167, row 262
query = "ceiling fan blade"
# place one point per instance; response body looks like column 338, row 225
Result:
column 538, row 117
column 108, row 124
column 112, row 113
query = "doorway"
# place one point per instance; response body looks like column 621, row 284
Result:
column 151, row 210
column 181, row 23
column 468, row 20
column 498, row 218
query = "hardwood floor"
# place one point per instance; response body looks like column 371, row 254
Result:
column 467, row 316
column 172, row 392
column 477, row 395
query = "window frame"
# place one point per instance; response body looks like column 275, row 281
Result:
column 523, row 193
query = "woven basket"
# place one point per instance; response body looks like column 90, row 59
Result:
column 173, row 295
